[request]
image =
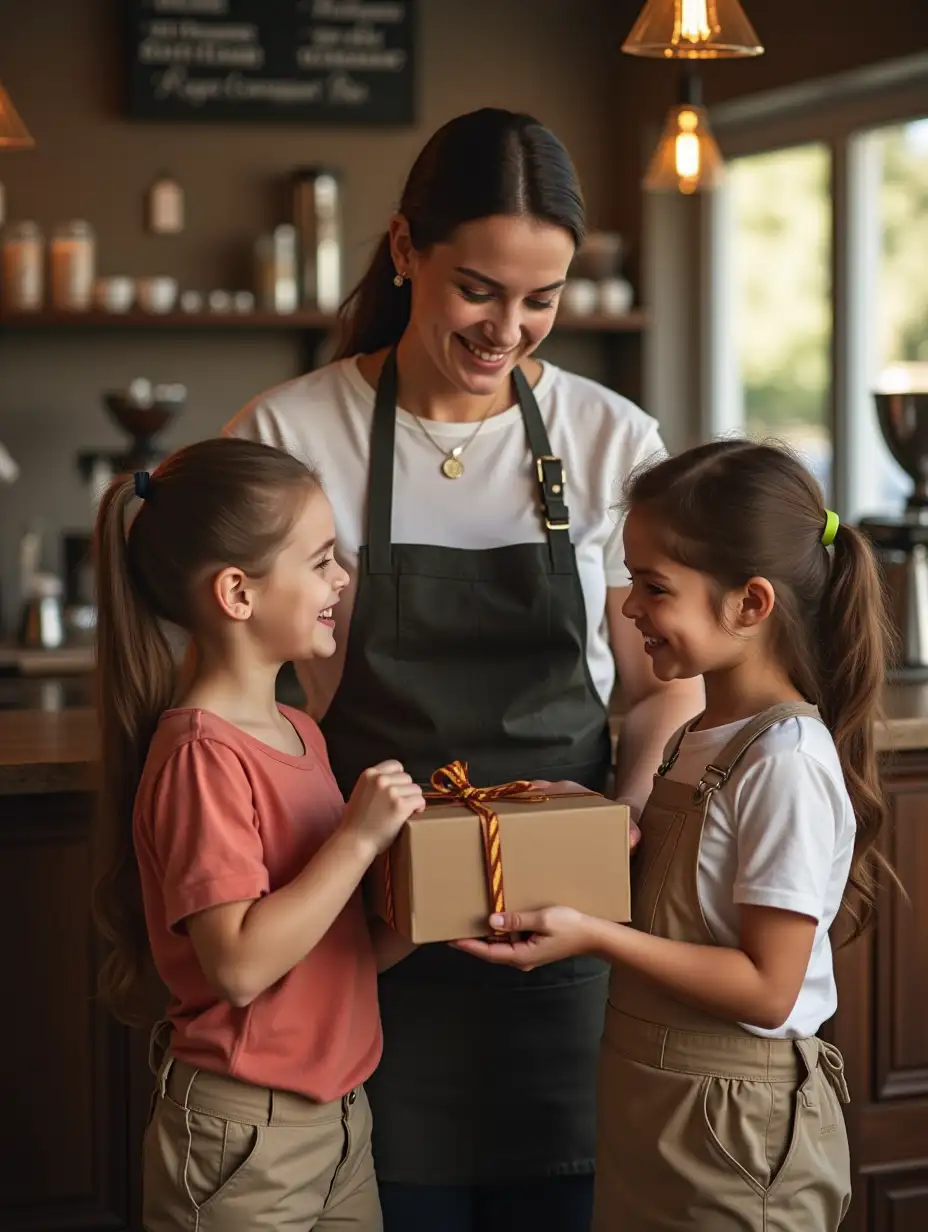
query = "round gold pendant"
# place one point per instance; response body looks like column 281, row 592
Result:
column 452, row 468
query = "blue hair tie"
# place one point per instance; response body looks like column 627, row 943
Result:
column 142, row 484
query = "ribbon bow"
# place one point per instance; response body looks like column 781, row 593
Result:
column 451, row 783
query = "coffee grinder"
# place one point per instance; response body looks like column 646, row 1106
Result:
column 142, row 411
column 902, row 542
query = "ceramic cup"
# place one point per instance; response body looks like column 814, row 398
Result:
column 579, row 296
column 157, row 294
column 615, row 296
column 114, row 294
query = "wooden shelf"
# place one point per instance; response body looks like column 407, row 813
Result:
column 259, row 319
column 304, row 320
column 600, row 323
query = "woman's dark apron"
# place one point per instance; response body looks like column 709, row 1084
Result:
column 488, row 1073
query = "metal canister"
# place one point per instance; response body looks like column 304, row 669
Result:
column 317, row 217
column 276, row 273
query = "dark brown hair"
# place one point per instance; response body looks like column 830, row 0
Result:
column 478, row 165
column 219, row 502
column 736, row 509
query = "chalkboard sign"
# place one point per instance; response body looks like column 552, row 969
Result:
column 273, row 60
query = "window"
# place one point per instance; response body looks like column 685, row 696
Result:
column 893, row 271
column 783, row 301
column 779, row 212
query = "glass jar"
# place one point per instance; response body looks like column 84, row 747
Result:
column 73, row 261
column 23, row 267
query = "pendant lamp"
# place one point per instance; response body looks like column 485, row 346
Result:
column 13, row 133
column 687, row 159
column 693, row 30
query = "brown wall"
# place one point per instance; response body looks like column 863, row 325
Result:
column 60, row 61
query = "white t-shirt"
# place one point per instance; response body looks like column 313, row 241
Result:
column 324, row 418
column 780, row 833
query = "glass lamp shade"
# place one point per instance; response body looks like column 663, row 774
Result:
column 687, row 158
column 693, row 30
column 13, row 133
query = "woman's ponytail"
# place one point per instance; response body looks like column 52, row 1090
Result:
column 376, row 312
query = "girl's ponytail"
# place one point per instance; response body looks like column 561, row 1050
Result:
column 218, row 501
column 135, row 683
column 855, row 650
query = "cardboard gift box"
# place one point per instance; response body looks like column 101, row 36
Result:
column 474, row 850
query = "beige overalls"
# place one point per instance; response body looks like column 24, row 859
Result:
column 704, row 1126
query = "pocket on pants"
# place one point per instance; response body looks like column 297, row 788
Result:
column 752, row 1125
column 211, row 1155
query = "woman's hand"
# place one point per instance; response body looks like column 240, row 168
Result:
column 556, row 933
column 564, row 787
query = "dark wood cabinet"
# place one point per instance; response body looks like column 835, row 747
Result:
column 76, row 1087
column 64, row 1077
column 882, row 1024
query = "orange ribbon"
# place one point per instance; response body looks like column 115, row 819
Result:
column 452, row 784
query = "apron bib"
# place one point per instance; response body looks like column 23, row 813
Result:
column 704, row 1126
column 488, row 1074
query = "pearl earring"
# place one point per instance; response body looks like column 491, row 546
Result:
column 398, row 279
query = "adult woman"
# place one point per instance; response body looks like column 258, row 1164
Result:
column 485, row 624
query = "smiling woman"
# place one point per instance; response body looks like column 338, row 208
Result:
column 483, row 622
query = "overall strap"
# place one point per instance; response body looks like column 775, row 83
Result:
column 673, row 744
column 549, row 472
column 380, row 470
column 717, row 773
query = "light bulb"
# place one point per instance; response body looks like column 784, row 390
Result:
column 686, row 156
column 694, row 21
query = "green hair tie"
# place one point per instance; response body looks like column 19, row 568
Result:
column 832, row 521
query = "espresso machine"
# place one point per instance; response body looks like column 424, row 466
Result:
column 902, row 542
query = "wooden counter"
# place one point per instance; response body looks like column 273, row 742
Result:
column 75, row 1085
column 55, row 750
column 47, row 751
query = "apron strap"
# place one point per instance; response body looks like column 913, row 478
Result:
column 717, row 773
column 380, row 471
column 549, row 472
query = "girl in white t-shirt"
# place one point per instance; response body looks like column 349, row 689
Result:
column 719, row 1106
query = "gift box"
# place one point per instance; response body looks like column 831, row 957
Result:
column 507, row 847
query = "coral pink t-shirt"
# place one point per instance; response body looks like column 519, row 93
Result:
column 221, row 817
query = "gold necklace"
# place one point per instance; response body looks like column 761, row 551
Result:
column 451, row 466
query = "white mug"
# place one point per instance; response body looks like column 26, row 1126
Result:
column 616, row 296
column 114, row 294
column 579, row 296
column 157, row 294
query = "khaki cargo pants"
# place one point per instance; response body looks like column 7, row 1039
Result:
column 225, row 1156
column 711, row 1133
